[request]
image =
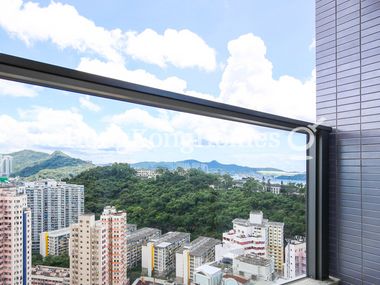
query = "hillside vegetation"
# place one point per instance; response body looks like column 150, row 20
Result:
column 191, row 201
column 58, row 165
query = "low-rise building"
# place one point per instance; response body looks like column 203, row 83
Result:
column 135, row 241
column 49, row 275
column 208, row 275
column 55, row 242
column 254, row 267
column 146, row 173
column 199, row 252
column 295, row 258
column 158, row 255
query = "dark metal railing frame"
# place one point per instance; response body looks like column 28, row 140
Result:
column 52, row 76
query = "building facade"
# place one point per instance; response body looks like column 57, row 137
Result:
column 258, row 236
column 295, row 259
column 15, row 238
column 54, row 205
column 88, row 252
column 115, row 223
column 135, row 241
column 348, row 100
column 55, row 242
column 49, row 275
column 6, row 165
column 200, row 251
column 158, row 255
column 254, row 267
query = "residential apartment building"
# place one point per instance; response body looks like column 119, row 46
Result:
column 258, row 236
column 254, row 267
column 158, row 255
column 6, row 165
column 15, row 238
column 54, row 205
column 146, row 173
column 276, row 244
column 55, row 242
column 88, row 252
column 295, row 258
column 190, row 257
column 49, row 275
column 115, row 223
column 135, row 241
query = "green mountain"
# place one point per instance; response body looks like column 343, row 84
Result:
column 25, row 158
column 58, row 165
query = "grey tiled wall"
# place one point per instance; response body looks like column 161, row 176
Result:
column 348, row 97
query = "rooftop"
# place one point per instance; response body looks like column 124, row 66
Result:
column 254, row 259
column 63, row 231
column 207, row 269
column 50, row 271
column 202, row 244
column 170, row 237
column 142, row 233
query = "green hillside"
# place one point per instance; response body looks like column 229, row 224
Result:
column 25, row 158
column 194, row 201
column 58, row 165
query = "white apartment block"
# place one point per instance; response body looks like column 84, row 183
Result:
column 295, row 258
column 135, row 241
column 158, row 255
column 55, row 242
column 49, row 275
column 6, row 165
column 115, row 223
column 15, row 238
column 254, row 267
column 88, row 252
column 146, row 173
column 258, row 236
column 190, row 257
column 54, row 205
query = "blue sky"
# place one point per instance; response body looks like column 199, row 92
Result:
column 256, row 54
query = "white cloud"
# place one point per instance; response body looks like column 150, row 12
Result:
column 60, row 24
column 248, row 81
column 312, row 44
column 180, row 48
column 65, row 27
column 47, row 128
column 15, row 89
column 139, row 76
column 143, row 118
column 85, row 102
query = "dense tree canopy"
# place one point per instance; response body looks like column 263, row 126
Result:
column 191, row 201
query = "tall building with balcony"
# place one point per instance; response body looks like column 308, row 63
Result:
column 200, row 251
column 115, row 223
column 15, row 238
column 88, row 252
column 54, row 205
column 158, row 255
column 6, row 165
column 135, row 241
column 295, row 258
column 55, row 242
column 258, row 236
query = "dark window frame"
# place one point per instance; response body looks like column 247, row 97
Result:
column 52, row 76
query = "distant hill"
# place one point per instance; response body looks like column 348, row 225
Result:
column 58, row 165
column 212, row 166
column 25, row 158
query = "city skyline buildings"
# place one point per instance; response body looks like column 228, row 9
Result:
column 54, row 205
column 15, row 237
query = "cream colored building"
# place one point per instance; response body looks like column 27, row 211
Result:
column 276, row 245
column 115, row 223
column 199, row 252
column 88, row 252
column 15, row 238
